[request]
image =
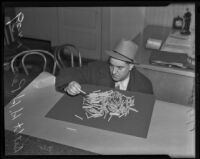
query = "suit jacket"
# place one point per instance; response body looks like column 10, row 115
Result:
column 98, row 73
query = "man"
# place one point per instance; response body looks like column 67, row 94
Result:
column 119, row 72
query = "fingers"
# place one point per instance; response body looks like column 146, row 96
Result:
column 73, row 88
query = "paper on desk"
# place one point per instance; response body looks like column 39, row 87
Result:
column 178, row 35
column 45, row 82
column 177, row 49
column 177, row 43
column 190, row 119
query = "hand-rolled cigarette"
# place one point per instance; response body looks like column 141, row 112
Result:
column 82, row 91
column 71, row 129
column 78, row 117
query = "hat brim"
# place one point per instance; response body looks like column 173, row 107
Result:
column 118, row 56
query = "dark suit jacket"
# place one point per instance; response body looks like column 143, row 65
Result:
column 97, row 73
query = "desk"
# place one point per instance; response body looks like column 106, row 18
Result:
column 168, row 132
column 12, row 82
column 170, row 84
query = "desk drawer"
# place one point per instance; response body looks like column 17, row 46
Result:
column 170, row 87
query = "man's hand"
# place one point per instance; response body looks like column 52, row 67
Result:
column 73, row 88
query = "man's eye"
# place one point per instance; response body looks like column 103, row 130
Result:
column 118, row 67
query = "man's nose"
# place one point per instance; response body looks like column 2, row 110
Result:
column 115, row 70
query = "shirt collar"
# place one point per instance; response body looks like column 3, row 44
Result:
column 124, row 84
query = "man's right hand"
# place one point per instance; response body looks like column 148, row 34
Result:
column 73, row 88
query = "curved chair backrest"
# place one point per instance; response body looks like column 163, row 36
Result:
column 26, row 53
column 64, row 49
column 33, row 53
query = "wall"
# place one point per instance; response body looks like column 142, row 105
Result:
column 43, row 22
column 164, row 15
column 124, row 22
column 9, row 12
column 81, row 26
column 117, row 22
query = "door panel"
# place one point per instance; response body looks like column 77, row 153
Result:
column 81, row 26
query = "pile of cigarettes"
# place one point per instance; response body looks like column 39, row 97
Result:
column 112, row 103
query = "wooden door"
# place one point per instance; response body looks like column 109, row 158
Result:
column 81, row 26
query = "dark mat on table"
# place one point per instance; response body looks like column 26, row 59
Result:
column 135, row 123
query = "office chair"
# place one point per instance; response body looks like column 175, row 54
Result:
column 65, row 50
column 40, row 53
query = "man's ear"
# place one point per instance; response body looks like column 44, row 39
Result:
column 131, row 65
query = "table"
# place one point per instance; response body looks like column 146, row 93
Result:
column 169, row 132
column 14, row 83
column 170, row 84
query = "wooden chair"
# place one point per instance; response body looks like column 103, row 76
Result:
column 64, row 50
column 25, row 54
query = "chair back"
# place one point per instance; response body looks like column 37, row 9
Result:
column 24, row 55
column 33, row 53
column 65, row 50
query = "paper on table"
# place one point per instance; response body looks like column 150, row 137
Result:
column 178, row 35
column 176, row 49
column 191, row 119
column 44, row 82
column 177, row 43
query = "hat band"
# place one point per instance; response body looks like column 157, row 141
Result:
column 123, row 55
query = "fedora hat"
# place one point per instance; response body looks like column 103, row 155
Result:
column 125, row 50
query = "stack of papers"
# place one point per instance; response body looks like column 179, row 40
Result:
column 177, row 43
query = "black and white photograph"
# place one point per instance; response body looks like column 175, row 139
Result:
column 99, row 79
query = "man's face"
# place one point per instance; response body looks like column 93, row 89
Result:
column 119, row 70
